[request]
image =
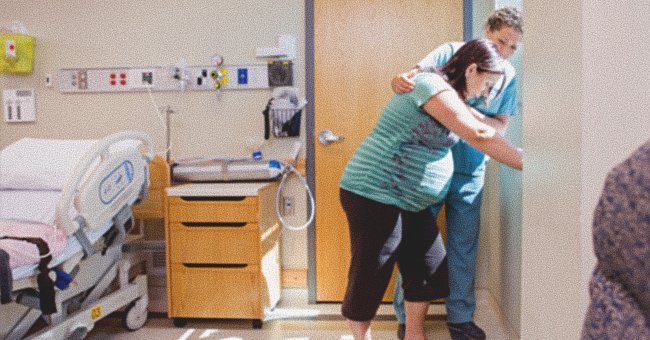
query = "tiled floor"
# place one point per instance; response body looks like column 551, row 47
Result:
column 295, row 319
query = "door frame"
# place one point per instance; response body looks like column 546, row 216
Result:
column 309, row 127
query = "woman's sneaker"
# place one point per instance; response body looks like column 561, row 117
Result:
column 465, row 331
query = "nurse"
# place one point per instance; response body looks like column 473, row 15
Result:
column 463, row 202
column 403, row 167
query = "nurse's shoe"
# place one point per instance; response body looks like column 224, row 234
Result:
column 465, row 331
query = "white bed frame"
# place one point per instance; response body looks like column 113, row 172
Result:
column 104, row 185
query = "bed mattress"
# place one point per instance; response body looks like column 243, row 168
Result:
column 37, row 208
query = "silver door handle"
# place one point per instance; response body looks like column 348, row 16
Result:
column 326, row 137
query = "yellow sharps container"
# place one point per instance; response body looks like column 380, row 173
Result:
column 17, row 53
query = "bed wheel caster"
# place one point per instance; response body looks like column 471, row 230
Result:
column 257, row 324
column 179, row 322
column 136, row 314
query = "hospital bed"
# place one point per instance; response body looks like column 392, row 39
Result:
column 76, row 195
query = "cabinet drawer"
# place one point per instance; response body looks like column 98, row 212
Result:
column 192, row 242
column 212, row 292
column 211, row 209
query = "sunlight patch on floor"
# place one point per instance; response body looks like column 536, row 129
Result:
column 290, row 313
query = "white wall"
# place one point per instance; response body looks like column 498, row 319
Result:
column 585, row 110
column 120, row 33
column 616, row 54
column 552, row 181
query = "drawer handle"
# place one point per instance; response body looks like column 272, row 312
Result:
column 214, row 224
column 215, row 265
column 212, row 198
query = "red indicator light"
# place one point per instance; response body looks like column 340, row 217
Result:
column 123, row 82
column 113, row 82
column 112, row 75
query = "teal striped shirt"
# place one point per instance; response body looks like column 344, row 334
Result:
column 406, row 159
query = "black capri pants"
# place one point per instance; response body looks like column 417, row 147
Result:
column 377, row 242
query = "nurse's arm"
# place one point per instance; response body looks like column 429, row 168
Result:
column 451, row 111
column 403, row 83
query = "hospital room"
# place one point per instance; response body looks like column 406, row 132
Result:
column 177, row 170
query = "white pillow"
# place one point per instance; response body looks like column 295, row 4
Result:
column 40, row 164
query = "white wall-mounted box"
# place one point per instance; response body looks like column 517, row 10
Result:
column 19, row 105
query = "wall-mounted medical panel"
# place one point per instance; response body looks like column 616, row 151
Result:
column 163, row 78
column 19, row 105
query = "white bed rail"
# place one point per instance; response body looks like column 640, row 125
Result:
column 104, row 180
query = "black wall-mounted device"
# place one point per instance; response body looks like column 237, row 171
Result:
column 280, row 73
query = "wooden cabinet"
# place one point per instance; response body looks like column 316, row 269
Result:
column 223, row 251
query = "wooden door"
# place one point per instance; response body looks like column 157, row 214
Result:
column 359, row 45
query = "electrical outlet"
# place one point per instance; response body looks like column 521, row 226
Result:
column 288, row 208
column 142, row 78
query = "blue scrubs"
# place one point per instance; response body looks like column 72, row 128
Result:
column 463, row 201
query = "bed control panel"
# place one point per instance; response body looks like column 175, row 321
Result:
column 116, row 181
column 19, row 105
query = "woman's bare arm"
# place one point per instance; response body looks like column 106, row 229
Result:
column 498, row 122
column 453, row 113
